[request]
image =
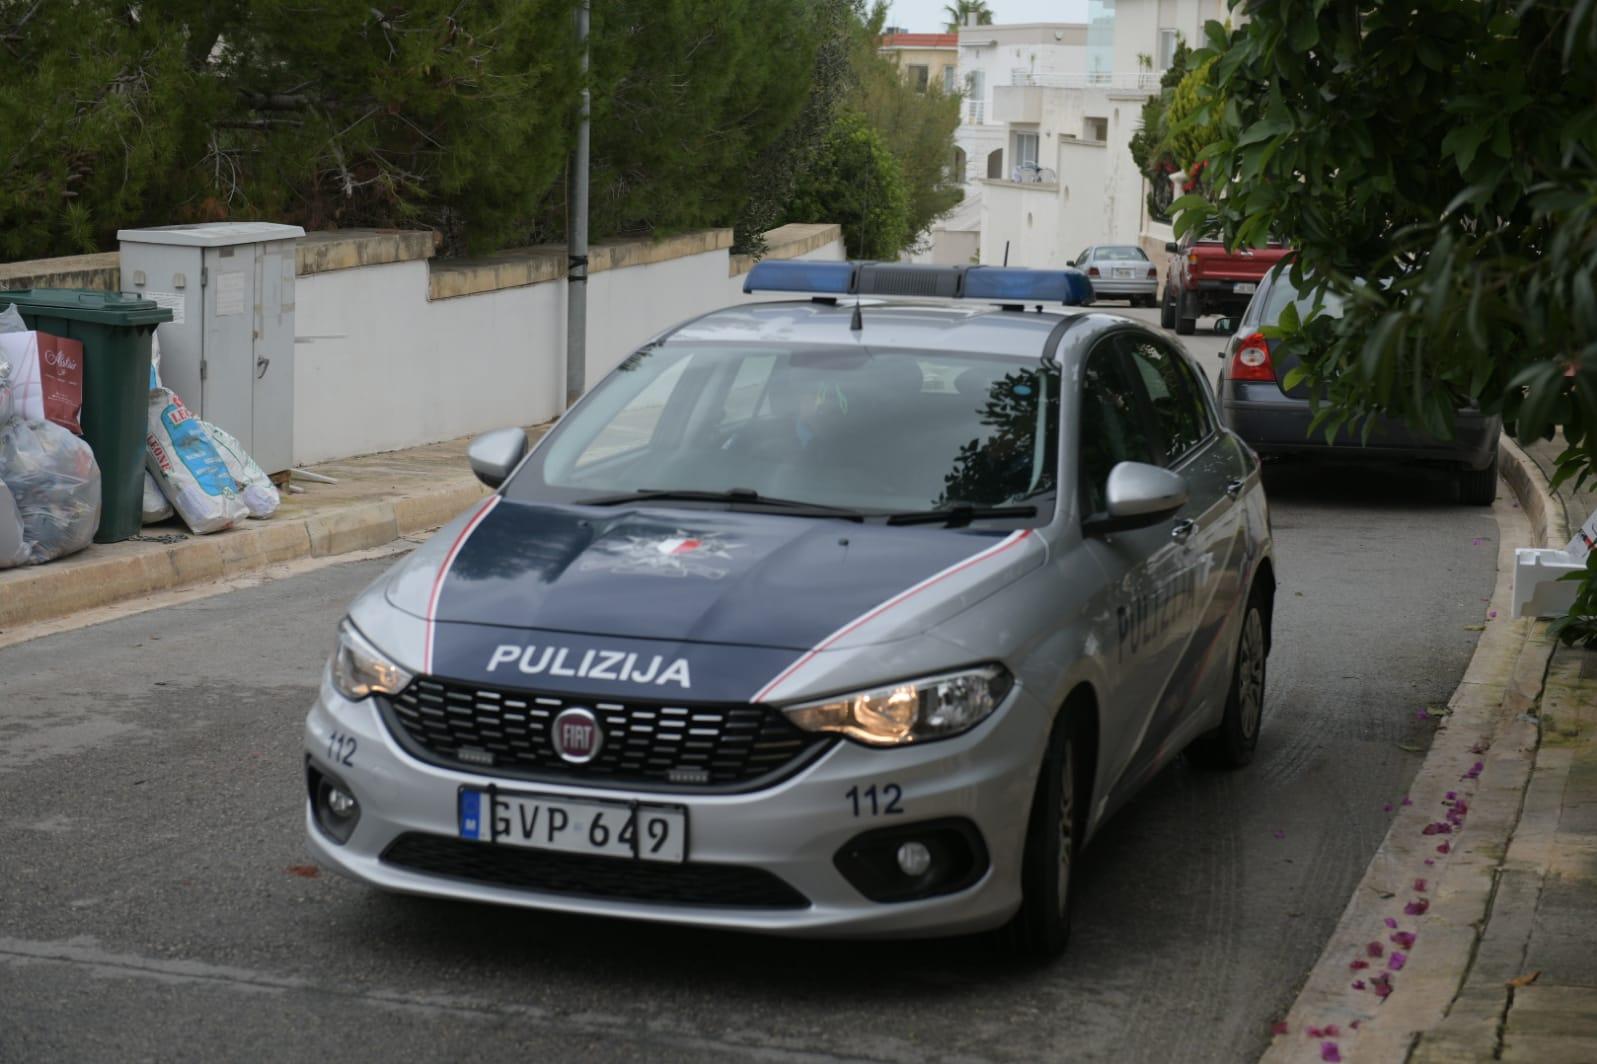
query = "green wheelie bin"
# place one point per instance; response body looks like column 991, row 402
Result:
column 115, row 331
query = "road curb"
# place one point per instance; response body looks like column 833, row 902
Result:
column 1435, row 873
column 91, row 580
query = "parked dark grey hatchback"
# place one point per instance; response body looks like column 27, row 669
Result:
column 1276, row 421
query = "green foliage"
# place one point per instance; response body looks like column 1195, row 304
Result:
column 957, row 11
column 857, row 181
column 917, row 128
column 457, row 115
column 1442, row 151
column 1192, row 119
column 1149, row 144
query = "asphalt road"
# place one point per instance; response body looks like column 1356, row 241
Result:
column 152, row 905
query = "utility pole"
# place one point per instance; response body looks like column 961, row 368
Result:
column 577, row 236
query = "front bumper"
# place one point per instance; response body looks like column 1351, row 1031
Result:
column 1272, row 423
column 792, row 830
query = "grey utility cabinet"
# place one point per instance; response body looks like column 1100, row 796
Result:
column 229, row 349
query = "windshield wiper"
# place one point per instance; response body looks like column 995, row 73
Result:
column 959, row 516
column 736, row 496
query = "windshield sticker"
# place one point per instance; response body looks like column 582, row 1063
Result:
column 681, row 554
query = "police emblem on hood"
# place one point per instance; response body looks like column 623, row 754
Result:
column 680, row 554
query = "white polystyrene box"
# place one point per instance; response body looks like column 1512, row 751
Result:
column 1539, row 590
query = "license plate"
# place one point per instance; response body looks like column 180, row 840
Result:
column 1246, row 289
column 1122, row 273
column 637, row 830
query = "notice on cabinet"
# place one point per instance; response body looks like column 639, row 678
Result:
column 230, row 293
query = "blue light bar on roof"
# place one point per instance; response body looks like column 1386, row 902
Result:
column 796, row 275
column 998, row 284
column 1012, row 285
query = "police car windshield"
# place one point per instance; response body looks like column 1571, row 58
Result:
column 873, row 430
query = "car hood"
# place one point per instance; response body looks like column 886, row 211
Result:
column 652, row 581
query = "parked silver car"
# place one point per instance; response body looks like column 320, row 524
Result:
column 842, row 616
column 1119, row 271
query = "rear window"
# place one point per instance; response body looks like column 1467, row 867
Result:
column 1126, row 254
column 1283, row 292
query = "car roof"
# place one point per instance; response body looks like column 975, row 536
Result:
column 970, row 328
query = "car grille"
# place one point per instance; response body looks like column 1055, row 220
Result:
column 646, row 745
column 608, row 878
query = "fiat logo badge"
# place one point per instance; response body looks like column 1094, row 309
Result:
column 577, row 736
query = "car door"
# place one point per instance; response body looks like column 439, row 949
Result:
column 1141, row 566
column 1205, row 590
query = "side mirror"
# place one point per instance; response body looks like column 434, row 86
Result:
column 1173, row 247
column 1070, row 262
column 1139, row 495
column 1226, row 326
column 494, row 454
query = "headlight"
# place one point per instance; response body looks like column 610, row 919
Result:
column 360, row 669
column 912, row 712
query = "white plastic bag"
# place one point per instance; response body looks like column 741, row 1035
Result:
column 255, row 487
column 185, row 462
column 13, row 545
column 56, row 484
column 11, row 319
column 156, row 508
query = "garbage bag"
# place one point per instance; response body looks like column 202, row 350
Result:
column 155, row 359
column 255, row 487
column 8, row 409
column 13, row 546
column 46, row 377
column 56, row 484
column 185, row 462
column 156, row 508
column 11, row 319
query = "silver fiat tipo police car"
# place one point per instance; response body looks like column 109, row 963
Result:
column 854, row 615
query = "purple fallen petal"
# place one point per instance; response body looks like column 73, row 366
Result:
column 1387, row 808
column 1382, row 989
column 1445, row 847
column 1430, row 860
column 1451, row 795
column 1375, row 949
column 1407, row 800
column 1359, row 965
column 1390, row 922
column 1329, row 1053
column 1280, row 1027
column 1314, row 1032
column 1477, row 541
column 1404, row 939
column 1358, row 984
column 1416, row 907
column 1396, row 961
column 1492, row 614
column 1419, row 885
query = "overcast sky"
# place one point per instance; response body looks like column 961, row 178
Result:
column 927, row 16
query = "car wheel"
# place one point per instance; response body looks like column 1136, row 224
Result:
column 1186, row 326
column 1167, row 310
column 1041, row 928
column 1478, row 487
column 1231, row 745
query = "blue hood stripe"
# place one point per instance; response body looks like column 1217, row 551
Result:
column 998, row 548
column 483, row 511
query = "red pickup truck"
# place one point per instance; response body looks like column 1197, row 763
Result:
column 1204, row 278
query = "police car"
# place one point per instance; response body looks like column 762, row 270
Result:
column 851, row 615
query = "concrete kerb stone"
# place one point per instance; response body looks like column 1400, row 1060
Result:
column 1469, row 794
column 51, row 591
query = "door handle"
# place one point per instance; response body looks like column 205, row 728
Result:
column 1233, row 488
column 1181, row 530
column 261, row 364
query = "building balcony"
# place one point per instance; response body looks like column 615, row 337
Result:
column 1143, row 81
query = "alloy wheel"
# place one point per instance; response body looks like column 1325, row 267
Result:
column 1250, row 673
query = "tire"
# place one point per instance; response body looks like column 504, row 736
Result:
column 1186, row 326
column 1478, row 487
column 1167, row 310
column 1231, row 745
column 1040, row 930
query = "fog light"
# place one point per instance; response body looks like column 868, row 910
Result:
column 342, row 803
column 332, row 804
column 914, row 858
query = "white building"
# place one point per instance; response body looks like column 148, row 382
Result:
column 1067, row 178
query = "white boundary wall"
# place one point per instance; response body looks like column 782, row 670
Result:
column 380, row 365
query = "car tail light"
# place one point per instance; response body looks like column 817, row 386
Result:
column 1153, row 272
column 1092, row 271
column 1192, row 258
column 1252, row 360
